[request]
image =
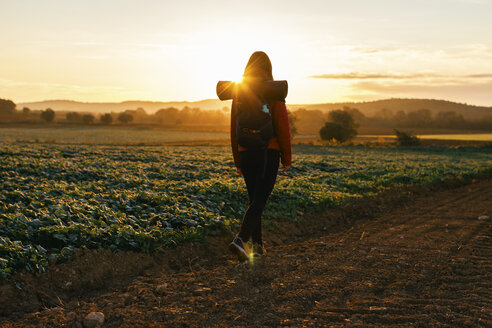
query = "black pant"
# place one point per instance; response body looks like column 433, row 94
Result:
column 260, row 178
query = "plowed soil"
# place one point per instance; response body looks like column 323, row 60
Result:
column 411, row 258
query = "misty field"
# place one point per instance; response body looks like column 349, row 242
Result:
column 148, row 136
column 56, row 198
column 449, row 136
column 104, row 135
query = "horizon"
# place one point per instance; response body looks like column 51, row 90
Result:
column 329, row 52
column 227, row 101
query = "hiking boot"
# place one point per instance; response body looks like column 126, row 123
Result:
column 240, row 248
column 257, row 250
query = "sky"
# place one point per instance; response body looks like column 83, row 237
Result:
column 328, row 51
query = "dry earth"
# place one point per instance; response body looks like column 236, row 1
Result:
column 411, row 258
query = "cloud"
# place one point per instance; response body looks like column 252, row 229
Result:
column 95, row 57
column 480, row 76
column 365, row 50
column 87, row 43
column 373, row 76
column 380, row 76
column 416, row 87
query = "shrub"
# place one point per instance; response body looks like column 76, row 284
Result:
column 406, row 139
column 48, row 115
column 341, row 127
column 125, row 118
column 106, row 119
column 87, row 118
column 332, row 131
column 292, row 123
column 7, row 106
column 73, row 117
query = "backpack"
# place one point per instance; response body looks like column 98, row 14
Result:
column 254, row 124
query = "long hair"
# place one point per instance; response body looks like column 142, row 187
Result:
column 259, row 66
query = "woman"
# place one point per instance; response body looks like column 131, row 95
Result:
column 259, row 167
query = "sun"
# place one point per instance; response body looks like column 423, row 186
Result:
column 226, row 68
column 213, row 66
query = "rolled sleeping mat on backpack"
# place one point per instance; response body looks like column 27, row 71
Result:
column 269, row 90
column 226, row 89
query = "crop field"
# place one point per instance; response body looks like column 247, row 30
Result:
column 56, row 198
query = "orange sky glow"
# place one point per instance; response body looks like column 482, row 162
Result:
column 329, row 51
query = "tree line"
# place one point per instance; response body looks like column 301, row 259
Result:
column 311, row 121
column 341, row 127
column 302, row 120
column 168, row 117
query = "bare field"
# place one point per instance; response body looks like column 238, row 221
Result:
column 403, row 260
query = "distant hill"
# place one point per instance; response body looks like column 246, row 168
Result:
column 96, row 107
column 368, row 108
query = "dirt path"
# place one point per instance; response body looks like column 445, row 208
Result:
column 425, row 263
